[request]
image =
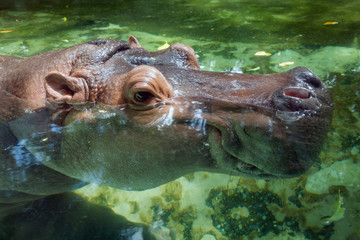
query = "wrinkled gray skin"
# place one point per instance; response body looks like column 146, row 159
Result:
column 112, row 113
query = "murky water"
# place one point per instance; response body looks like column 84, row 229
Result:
column 255, row 37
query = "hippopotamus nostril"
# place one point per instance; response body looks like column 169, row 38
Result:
column 303, row 74
column 297, row 93
column 295, row 99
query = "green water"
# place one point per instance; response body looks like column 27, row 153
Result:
column 226, row 35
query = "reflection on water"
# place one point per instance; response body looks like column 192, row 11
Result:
column 50, row 156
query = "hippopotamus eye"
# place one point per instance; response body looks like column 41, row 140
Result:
column 143, row 96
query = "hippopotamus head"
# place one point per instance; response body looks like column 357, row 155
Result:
column 135, row 119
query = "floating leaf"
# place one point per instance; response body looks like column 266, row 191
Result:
column 330, row 23
column 337, row 209
column 111, row 27
column 6, row 31
column 165, row 46
column 254, row 69
column 262, row 53
column 283, row 64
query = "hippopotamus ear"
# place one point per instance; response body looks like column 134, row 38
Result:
column 134, row 43
column 61, row 89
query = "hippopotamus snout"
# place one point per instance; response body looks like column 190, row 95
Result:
column 280, row 133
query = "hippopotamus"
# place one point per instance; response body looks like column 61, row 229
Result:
column 111, row 112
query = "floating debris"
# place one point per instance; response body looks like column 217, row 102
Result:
column 262, row 53
column 337, row 209
column 331, row 23
column 283, row 64
column 6, row 31
column 254, row 69
column 165, row 46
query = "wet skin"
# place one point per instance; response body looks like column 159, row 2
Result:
column 113, row 113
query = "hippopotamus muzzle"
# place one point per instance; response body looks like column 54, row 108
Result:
column 280, row 135
column 111, row 112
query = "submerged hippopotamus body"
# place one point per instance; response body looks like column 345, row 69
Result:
column 113, row 113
